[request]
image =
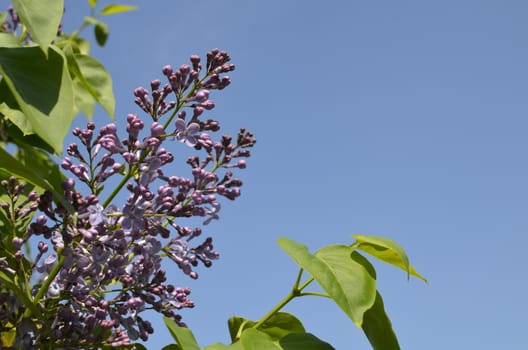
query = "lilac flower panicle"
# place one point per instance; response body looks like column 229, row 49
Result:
column 99, row 267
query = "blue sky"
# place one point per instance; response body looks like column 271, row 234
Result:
column 403, row 119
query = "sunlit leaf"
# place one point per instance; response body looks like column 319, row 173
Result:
column 92, row 3
column 95, row 80
column 347, row 277
column 220, row 346
column 41, row 17
column 16, row 117
column 42, row 88
column 182, row 335
column 8, row 40
column 378, row 327
column 8, row 337
column 116, row 8
column 253, row 339
column 387, row 251
column 83, row 101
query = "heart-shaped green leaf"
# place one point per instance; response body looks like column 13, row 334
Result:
column 347, row 277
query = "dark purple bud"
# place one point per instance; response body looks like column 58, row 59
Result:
column 167, row 70
column 42, row 247
column 68, row 184
column 155, row 84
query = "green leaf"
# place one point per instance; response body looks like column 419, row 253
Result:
column 347, row 277
column 282, row 324
column 95, row 79
column 101, row 32
column 182, row 335
column 388, row 251
column 8, row 337
column 83, row 100
column 42, row 88
column 17, row 137
column 220, row 346
column 8, row 40
column 304, row 341
column 18, row 169
column 253, row 339
column 42, row 165
column 92, row 3
column 277, row 326
column 42, row 18
column 171, row 347
column 117, row 8
column 236, row 324
column 10, row 283
column 378, row 327
column 16, row 117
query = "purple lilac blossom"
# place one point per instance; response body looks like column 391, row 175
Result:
column 105, row 245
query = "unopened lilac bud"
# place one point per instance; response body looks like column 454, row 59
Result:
column 41, row 220
column 156, row 129
column 33, row 196
column 241, row 164
column 109, row 129
column 195, row 59
column 155, row 84
column 135, row 303
column 197, row 111
column 17, row 242
column 140, row 92
column 68, row 184
column 208, row 105
column 167, row 70
column 185, row 69
column 42, row 247
column 202, row 95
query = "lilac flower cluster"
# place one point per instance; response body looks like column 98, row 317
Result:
column 104, row 267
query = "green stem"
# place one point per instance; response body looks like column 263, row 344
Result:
column 315, row 294
column 277, row 308
column 118, row 188
column 295, row 292
column 54, row 272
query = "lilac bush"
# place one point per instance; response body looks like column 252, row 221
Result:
column 98, row 265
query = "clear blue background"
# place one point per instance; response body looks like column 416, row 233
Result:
column 403, row 119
